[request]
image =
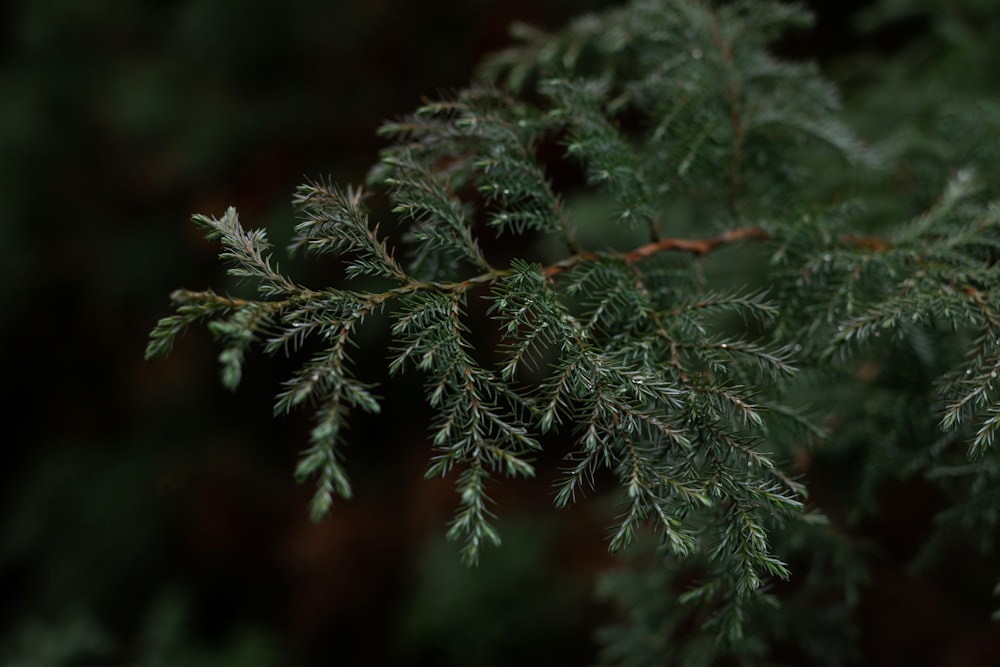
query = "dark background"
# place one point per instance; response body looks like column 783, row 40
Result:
column 149, row 516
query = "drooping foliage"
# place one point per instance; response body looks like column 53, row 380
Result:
column 709, row 288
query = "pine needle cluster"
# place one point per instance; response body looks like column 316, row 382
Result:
column 678, row 364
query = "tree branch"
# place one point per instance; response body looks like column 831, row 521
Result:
column 694, row 246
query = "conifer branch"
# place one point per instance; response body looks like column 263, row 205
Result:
column 680, row 383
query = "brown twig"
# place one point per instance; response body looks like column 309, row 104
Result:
column 698, row 246
column 694, row 246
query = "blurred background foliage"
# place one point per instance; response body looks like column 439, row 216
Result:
column 149, row 517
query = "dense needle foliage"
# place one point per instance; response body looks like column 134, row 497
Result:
column 711, row 284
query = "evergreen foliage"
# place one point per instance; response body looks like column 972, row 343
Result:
column 781, row 300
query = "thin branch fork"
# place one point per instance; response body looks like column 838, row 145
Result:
column 698, row 246
column 694, row 246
